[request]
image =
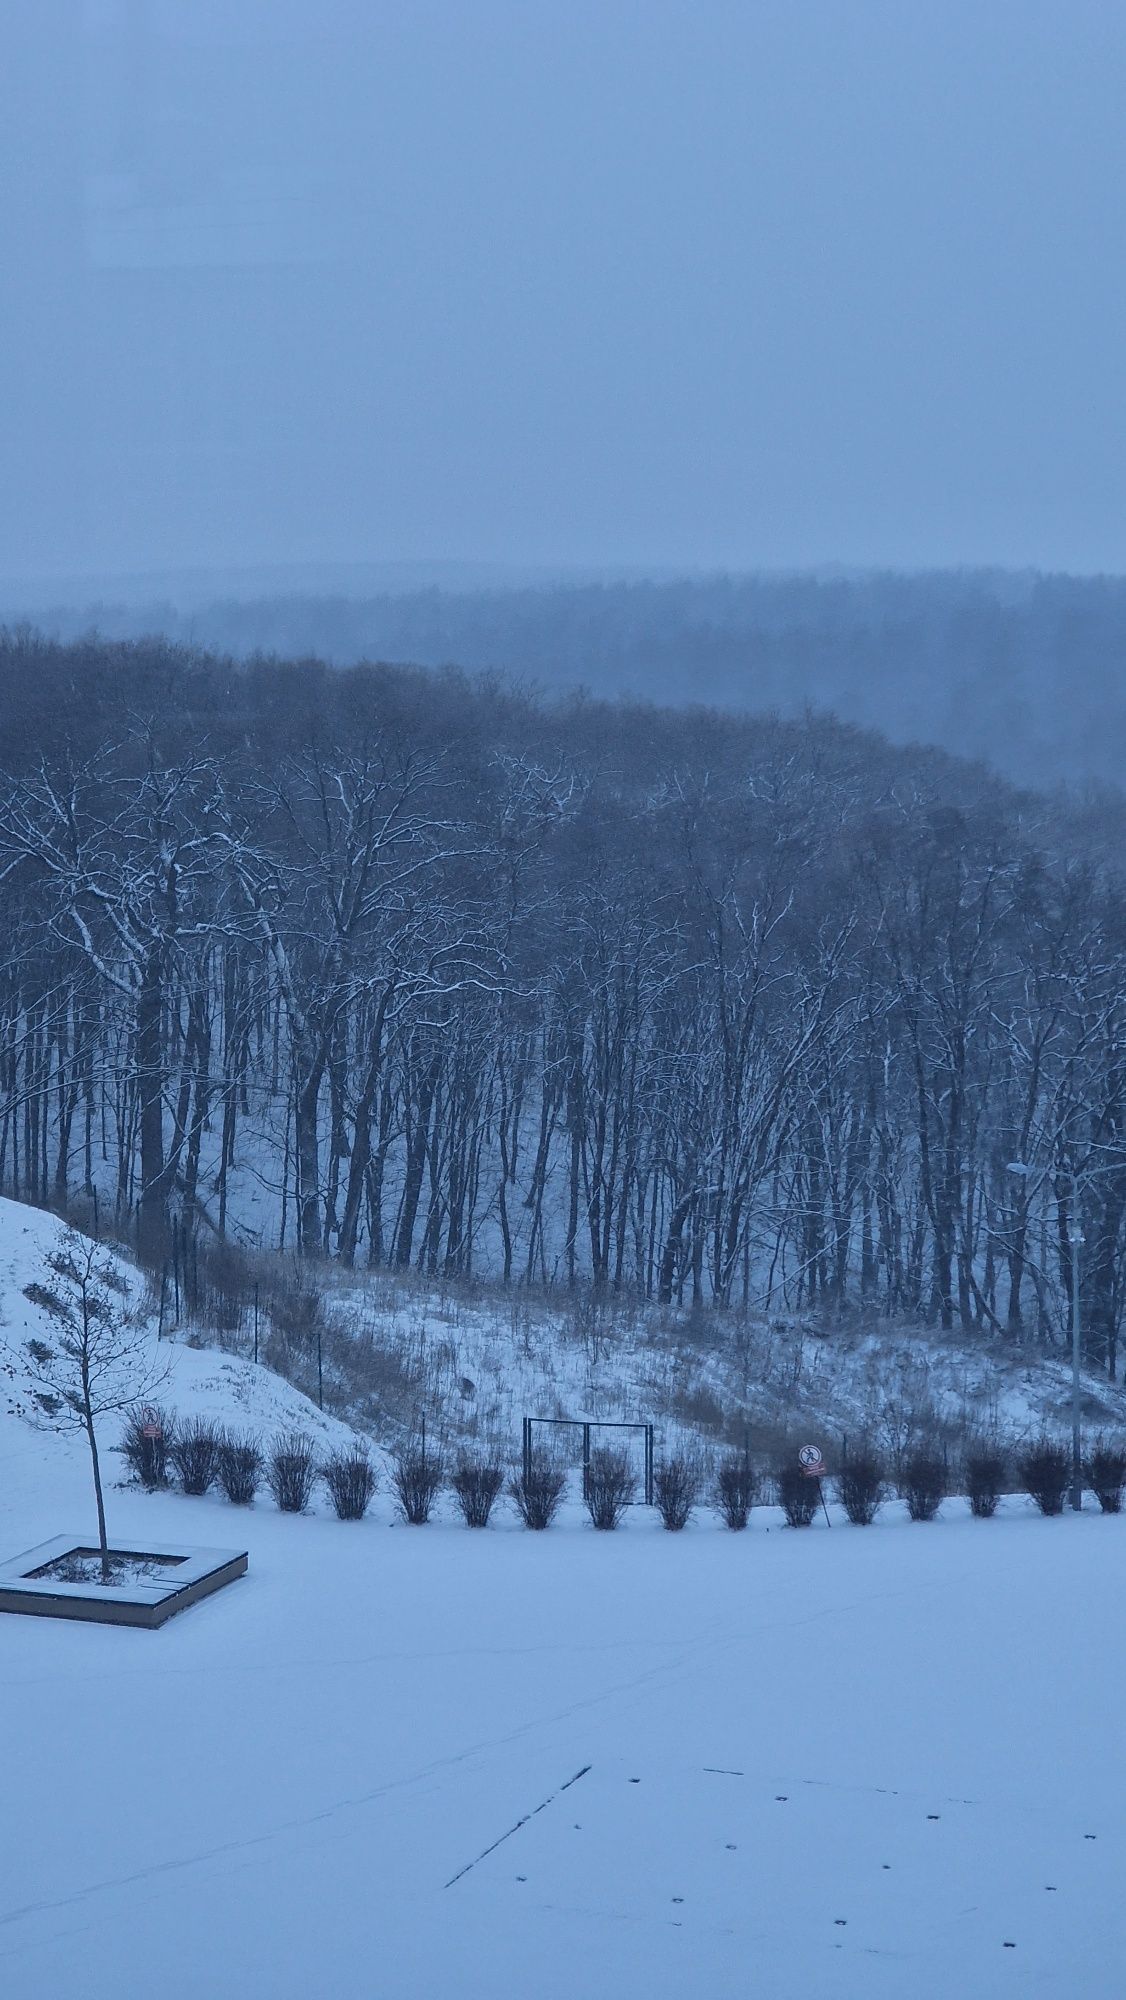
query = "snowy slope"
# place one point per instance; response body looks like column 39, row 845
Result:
column 196, row 1381
column 859, row 1763
column 475, row 1360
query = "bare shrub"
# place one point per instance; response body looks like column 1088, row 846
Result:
column 195, row 1454
column 1045, row 1473
column 735, row 1488
column 476, row 1483
column 1105, row 1473
column 350, row 1479
column 218, row 1286
column 417, row 1480
column 984, row 1474
column 588, row 1314
column 698, row 1409
column 538, row 1489
column 861, row 1485
column 296, row 1311
column 676, row 1486
column 379, row 1363
column 290, row 1471
column 610, row 1486
column 147, row 1455
column 300, row 1335
column 922, row 1482
column 239, row 1467
column 799, row 1496
column 905, row 1426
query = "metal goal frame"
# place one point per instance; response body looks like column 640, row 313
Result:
column 586, row 1425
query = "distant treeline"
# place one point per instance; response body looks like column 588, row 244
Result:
column 1028, row 671
column 409, row 969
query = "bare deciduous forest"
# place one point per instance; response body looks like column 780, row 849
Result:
column 411, row 970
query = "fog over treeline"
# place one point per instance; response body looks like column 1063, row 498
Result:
column 1025, row 670
column 408, row 969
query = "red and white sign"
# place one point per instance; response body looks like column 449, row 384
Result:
column 811, row 1461
column 151, row 1426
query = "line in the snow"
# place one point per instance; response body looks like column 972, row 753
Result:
column 522, row 1821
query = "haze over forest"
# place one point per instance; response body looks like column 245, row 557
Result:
column 699, row 350
column 1023, row 670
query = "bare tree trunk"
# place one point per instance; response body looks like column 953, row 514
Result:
column 150, row 1081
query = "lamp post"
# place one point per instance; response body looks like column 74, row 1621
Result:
column 1076, row 1355
column 1075, row 1243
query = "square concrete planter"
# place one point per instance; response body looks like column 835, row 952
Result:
column 186, row 1575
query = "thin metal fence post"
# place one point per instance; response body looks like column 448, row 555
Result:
column 1076, row 1366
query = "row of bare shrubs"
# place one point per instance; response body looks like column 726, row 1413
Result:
column 863, row 1481
column 1041, row 1468
column 200, row 1455
column 159, row 1447
column 477, row 1483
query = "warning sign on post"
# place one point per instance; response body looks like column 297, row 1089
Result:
column 812, row 1462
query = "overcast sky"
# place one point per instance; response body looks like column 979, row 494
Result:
column 686, row 283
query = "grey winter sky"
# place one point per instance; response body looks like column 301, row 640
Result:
column 651, row 282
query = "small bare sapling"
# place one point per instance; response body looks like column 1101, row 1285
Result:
column 99, row 1361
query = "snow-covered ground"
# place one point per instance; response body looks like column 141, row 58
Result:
column 474, row 1360
column 195, row 1381
column 860, row 1763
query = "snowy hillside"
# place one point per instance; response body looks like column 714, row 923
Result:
column 470, row 1362
column 192, row 1381
column 474, row 1360
column 427, row 1761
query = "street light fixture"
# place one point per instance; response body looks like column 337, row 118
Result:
column 1077, row 1241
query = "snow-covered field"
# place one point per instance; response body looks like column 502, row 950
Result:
column 850, row 1762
